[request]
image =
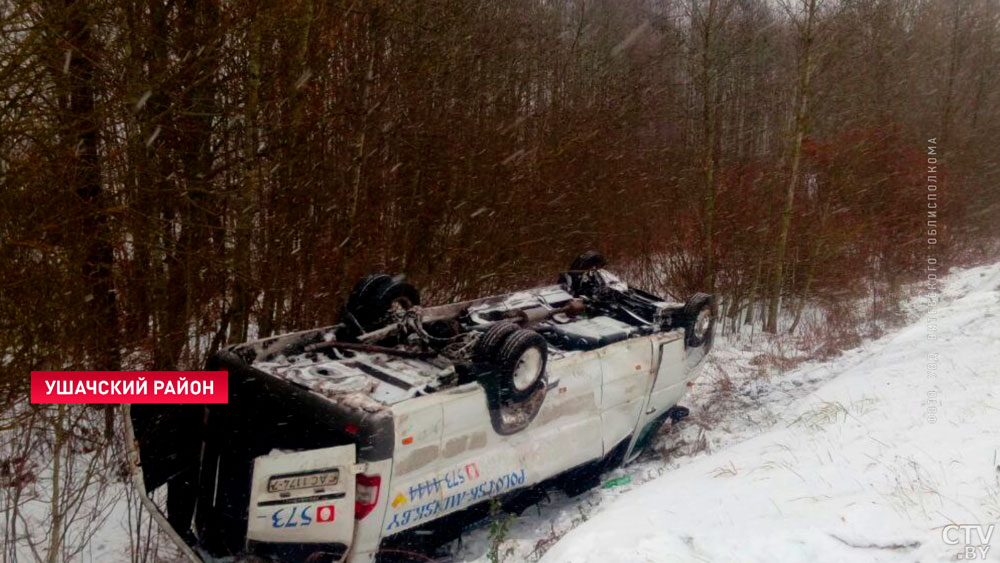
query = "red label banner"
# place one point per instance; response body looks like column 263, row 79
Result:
column 118, row 387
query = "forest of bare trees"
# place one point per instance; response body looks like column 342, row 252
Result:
column 180, row 174
column 176, row 175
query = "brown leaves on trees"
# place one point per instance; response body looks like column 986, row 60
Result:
column 178, row 175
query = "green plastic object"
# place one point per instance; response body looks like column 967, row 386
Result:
column 617, row 482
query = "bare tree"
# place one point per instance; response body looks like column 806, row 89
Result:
column 804, row 19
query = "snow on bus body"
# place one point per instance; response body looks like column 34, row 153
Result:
column 347, row 448
column 387, row 379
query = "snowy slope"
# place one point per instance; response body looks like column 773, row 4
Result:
column 830, row 461
column 857, row 466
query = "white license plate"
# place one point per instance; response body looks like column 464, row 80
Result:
column 312, row 480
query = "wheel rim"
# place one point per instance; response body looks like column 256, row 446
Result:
column 701, row 323
column 528, row 369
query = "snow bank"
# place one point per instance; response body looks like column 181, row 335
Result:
column 872, row 462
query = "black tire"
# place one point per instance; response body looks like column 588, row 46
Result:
column 353, row 312
column 374, row 297
column 588, row 261
column 522, row 346
column 678, row 413
column 697, row 329
column 488, row 345
column 583, row 263
column 362, row 290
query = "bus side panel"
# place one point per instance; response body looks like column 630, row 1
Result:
column 474, row 463
column 627, row 375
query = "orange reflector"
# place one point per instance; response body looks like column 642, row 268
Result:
column 400, row 499
column 638, row 367
column 408, row 440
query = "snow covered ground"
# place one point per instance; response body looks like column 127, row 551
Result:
column 865, row 457
column 873, row 456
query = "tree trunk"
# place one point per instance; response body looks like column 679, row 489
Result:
column 82, row 129
column 806, row 39
column 82, row 137
column 247, row 198
column 709, row 85
column 810, row 275
column 189, row 261
column 54, row 554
